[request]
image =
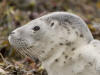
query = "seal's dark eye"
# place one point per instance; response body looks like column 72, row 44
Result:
column 36, row 28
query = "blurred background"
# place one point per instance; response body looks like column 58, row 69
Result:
column 15, row 13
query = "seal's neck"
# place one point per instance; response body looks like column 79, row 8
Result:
column 61, row 53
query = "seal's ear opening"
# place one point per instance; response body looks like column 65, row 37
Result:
column 53, row 24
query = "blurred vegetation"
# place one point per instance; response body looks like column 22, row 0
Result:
column 14, row 13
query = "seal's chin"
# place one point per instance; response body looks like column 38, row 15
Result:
column 28, row 51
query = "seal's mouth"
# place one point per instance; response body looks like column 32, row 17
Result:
column 19, row 45
column 22, row 48
column 28, row 51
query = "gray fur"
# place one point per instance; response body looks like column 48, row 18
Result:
column 72, row 19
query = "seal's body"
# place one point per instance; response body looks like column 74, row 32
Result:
column 62, row 42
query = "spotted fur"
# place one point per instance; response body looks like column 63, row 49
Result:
column 62, row 42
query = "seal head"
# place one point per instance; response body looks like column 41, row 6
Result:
column 44, row 36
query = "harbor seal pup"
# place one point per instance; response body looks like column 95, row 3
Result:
column 62, row 42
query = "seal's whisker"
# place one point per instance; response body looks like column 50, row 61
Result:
column 35, row 53
column 29, row 52
column 19, row 52
column 25, row 52
column 22, row 51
